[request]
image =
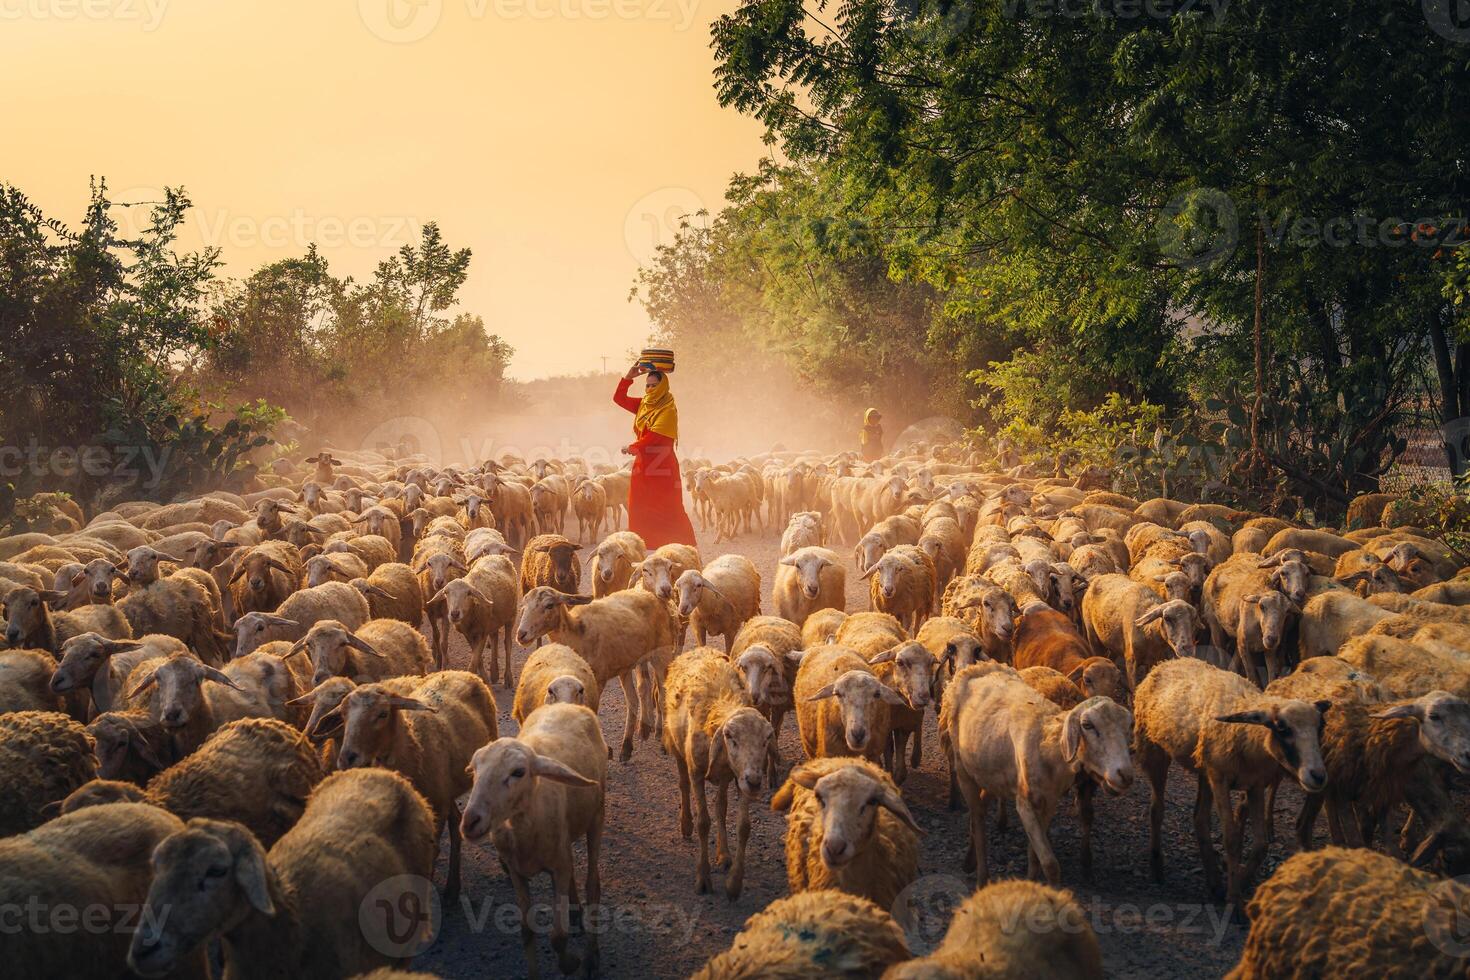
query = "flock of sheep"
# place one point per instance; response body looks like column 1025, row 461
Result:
column 237, row 708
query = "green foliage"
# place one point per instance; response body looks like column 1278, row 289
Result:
column 1444, row 511
column 335, row 352
column 1095, row 183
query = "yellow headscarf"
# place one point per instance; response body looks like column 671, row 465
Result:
column 657, row 412
column 869, row 417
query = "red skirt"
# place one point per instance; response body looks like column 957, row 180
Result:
column 656, row 495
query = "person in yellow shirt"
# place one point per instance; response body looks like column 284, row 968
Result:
column 871, row 437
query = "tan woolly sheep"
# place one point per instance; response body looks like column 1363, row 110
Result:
column 618, row 636
column 1127, row 621
column 902, row 583
column 847, row 827
column 481, row 605
column 612, row 562
column 428, row 735
column 44, row 756
column 393, row 592
column 382, row 648
column 1010, row 743
column 1219, row 726
column 94, row 861
column 1338, row 912
column 25, row 681
column 841, row 706
column 812, row 935
column 808, row 580
column 1056, row 940
column 720, row 598
column 280, row 912
column 714, row 734
column 555, row 674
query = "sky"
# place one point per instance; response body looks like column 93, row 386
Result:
column 560, row 140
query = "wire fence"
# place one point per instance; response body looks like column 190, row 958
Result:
column 1422, row 461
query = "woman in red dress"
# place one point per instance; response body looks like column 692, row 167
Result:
column 656, row 495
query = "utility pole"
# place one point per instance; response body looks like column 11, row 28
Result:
column 604, row 363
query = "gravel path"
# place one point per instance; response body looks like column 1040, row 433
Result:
column 654, row 925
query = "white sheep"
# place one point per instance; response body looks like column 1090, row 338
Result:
column 808, row 580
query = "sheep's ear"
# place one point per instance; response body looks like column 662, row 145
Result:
column 437, row 599
column 1149, row 616
column 1075, row 674
column 371, row 589
column 216, row 675
column 147, row 682
column 410, row 704
column 559, row 772
column 1271, row 562
column 358, row 643
column 805, row 777
column 1254, row 598
column 1071, row 735
column 138, row 743
column 1256, row 717
column 895, row 805
column 869, row 573
column 886, row 657
column 78, row 578
column 253, row 877
column 564, row 599
column 794, row 657
column 824, row 693
column 788, row 561
column 51, row 597
column 1411, row 710
column 719, row 756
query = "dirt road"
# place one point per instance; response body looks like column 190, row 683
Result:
column 654, row 925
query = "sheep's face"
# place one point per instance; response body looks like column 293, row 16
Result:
column 95, row 580
column 472, row 505
column 658, row 576
column 888, row 573
column 328, row 648
column 418, row 520
column 1379, row 579
column 1178, row 622
column 742, row 745
column 257, row 572
column 413, row 497
column 268, row 515
column 82, row 657
column 1444, row 726
column 764, row 681
column 848, row 802
column 311, row 493
column 809, row 566
column 324, row 718
column 1099, row 677
column 564, row 569
column 180, row 691
column 1197, row 568
column 860, row 697
column 299, row 533
column 377, row 520
column 461, row 599
column 566, row 689
column 541, row 612
column 320, row 570
column 209, row 554
column 143, row 565
column 1295, row 741
column 962, row 650
column 690, row 586
column 25, row 614
column 1292, row 579
column 204, row 877
column 608, row 560
column 1273, row 614
column 255, row 629
column 437, row 570
column 868, row 551
column 999, row 611
column 1098, row 732
column 369, row 722
column 1178, row 586
column 119, row 739
column 504, row 773
column 913, row 673
column 1066, row 586
column 443, row 486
